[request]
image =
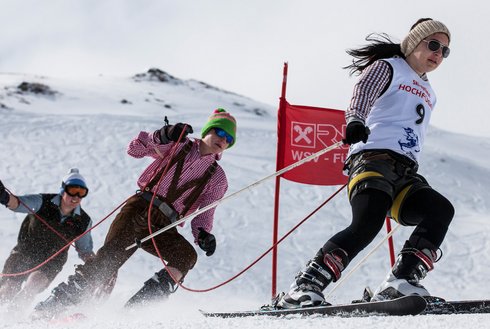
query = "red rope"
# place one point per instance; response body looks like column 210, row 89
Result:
column 59, row 234
column 246, row 268
column 68, row 242
column 41, row 219
column 153, row 239
column 153, row 197
column 267, row 251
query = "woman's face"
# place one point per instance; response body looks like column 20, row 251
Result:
column 424, row 60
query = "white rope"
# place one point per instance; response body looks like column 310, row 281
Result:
column 214, row 204
column 355, row 268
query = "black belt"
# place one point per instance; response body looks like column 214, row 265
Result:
column 164, row 207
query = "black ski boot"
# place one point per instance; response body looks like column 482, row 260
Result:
column 158, row 287
column 306, row 290
column 412, row 265
column 62, row 296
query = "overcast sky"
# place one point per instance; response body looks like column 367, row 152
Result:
column 241, row 45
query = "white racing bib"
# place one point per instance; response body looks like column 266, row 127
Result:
column 399, row 118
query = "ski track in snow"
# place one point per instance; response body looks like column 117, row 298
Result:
column 87, row 127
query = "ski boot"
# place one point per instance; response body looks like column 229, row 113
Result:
column 62, row 296
column 411, row 266
column 306, row 290
column 158, row 287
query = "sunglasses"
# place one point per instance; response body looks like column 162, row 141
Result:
column 434, row 45
column 75, row 190
column 221, row 133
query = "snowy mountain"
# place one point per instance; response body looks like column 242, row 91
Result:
column 49, row 125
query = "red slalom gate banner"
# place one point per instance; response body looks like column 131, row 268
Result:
column 305, row 130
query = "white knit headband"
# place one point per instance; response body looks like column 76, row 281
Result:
column 420, row 32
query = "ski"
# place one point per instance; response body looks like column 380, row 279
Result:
column 407, row 305
column 440, row 306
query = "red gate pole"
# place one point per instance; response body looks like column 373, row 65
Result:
column 279, row 165
column 390, row 242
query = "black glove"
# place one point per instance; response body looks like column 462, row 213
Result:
column 4, row 195
column 206, row 241
column 172, row 133
column 355, row 132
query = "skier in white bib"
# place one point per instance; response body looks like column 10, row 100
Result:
column 387, row 122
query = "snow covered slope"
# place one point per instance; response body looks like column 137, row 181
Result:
column 49, row 125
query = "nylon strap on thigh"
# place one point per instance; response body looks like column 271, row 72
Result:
column 353, row 182
column 397, row 203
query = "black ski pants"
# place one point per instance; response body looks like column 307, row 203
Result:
column 382, row 183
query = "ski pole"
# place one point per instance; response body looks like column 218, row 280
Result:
column 216, row 203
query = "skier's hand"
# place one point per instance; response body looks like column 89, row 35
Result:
column 172, row 133
column 356, row 132
column 206, row 241
column 4, row 195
